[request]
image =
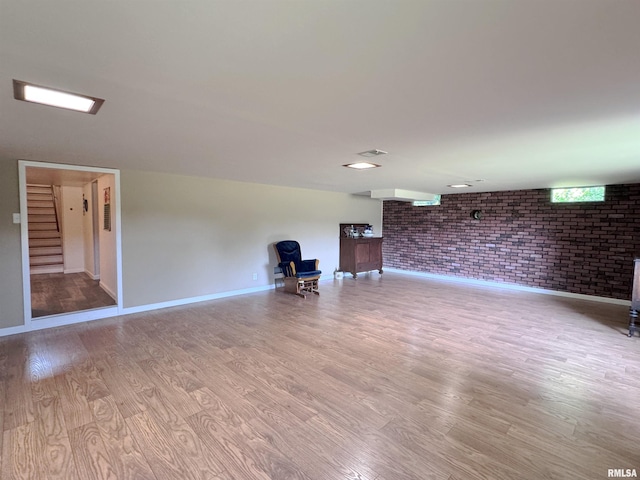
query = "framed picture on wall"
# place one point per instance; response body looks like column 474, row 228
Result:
column 107, row 209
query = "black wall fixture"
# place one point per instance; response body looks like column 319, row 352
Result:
column 476, row 214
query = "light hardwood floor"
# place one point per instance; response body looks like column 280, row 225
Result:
column 385, row 377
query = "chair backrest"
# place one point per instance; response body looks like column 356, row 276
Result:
column 289, row 251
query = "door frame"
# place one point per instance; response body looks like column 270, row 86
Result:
column 72, row 317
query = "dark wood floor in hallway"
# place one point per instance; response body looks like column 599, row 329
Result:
column 53, row 293
column 380, row 378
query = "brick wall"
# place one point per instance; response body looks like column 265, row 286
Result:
column 522, row 238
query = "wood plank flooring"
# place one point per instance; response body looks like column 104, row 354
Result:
column 53, row 293
column 380, row 378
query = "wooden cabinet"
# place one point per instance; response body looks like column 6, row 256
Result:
column 360, row 254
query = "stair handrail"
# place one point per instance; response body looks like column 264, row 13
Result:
column 55, row 190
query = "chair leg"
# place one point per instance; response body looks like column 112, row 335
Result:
column 301, row 287
column 311, row 286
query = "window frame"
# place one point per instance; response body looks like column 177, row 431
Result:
column 554, row 200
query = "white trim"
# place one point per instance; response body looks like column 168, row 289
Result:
column 5, row 332
column 118, row 213
column 74, row 317
column 74, row 270
column 24, row 242
column 91, row 275
column 509, row 286
column 202, row 298
column 100, row 313
column 62, row 320
column 97, row 314
column 106, row 312
column 108, row 290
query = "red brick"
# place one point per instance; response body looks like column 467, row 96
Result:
column 522, row 238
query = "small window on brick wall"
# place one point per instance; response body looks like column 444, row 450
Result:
column 577, row 194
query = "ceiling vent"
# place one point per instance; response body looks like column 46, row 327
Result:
column 373, row 153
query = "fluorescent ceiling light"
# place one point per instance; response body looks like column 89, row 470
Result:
column 361, row 165
column 459, row 185
column 56, row 98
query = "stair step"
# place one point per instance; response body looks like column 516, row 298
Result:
column 40, row 196
column 43, row 251
column 40, row 269
column 39, row 189
column 40, row 203
column 41, row 219
column 43, row 234
column 45, row 260
column 43, row 226
column 45, row 242
column 41, row 210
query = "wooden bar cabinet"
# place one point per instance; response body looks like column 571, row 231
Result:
column 360, row 254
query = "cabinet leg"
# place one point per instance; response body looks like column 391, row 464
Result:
column 380, row 272
column 633, row 316
column 355, row 275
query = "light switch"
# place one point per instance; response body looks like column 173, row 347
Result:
column 16, row 218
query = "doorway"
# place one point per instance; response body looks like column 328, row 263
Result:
column 88, row 284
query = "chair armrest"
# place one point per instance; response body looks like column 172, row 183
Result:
column 288, row 269
column 309, row 265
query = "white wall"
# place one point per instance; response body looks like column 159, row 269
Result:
column 11, row 298
column 87, row 230
column 108, row 265
column 185, row 237
column 72, row 229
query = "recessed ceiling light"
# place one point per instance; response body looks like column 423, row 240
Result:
column 361, row 165
column 373, row 153
column 459, row 185
column 55, row 98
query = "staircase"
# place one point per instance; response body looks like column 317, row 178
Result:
column 45, row 241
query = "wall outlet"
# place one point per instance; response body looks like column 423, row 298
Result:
column 255, row 276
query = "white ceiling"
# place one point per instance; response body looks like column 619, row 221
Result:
column 518, row 93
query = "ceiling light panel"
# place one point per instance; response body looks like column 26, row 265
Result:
column 361, row 165
column 55, row 98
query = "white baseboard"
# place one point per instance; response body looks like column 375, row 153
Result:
column 73, row 270
column 97, row 314
column 61, row 320
column 109, row 292
column 85, row 316
column 91, row 275
column 202, row 298
column 509, row 286
column 5, row 332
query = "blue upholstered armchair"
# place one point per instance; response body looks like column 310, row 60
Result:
column 300, row 276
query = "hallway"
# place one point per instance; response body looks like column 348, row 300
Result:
column 53, row 293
